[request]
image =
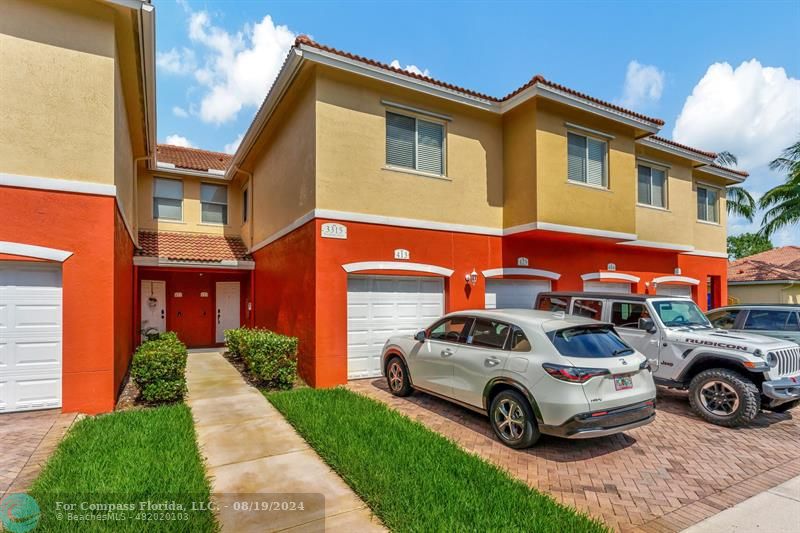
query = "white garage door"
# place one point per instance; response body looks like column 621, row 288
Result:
column 30, row 336
column 674, row 290
column 513, row 293
column 381, row 306
column 605, row 286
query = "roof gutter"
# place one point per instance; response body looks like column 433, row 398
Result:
column 649, row 142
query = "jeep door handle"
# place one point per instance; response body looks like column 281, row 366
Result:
column 492, row 361
column 447, row 352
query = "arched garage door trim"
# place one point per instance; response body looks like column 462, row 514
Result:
column 37, row 252
column 532, row 272
column 610, row 276
column 676, row 279
column 397, row 265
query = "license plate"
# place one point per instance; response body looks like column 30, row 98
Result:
column 623, row 382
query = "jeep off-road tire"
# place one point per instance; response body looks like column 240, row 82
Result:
column 724, row 397
column 512, row 420
column 397, row 377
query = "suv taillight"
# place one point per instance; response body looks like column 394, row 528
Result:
column 573, row 374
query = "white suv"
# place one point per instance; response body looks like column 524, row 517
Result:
column 531, row 372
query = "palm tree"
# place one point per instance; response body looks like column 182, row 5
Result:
column 783, row 202
column 738, row 200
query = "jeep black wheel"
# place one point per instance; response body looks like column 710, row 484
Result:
column 397, row 377
column 512, row 420
column 724, row 397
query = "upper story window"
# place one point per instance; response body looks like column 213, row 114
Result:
column 652, row 186
column 245, row 206
column 707, row 200
column 213, row 204
column 167, row 199
column 414, row 143
column 587, row 160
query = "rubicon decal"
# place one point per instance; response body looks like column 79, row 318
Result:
column 717, row 344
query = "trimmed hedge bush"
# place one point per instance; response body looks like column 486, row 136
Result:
column 269, row 357
column 159, row 369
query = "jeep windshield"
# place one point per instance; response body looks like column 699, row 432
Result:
column 680, row 314
column 589, row 341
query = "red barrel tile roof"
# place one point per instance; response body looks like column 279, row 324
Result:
column 192, row 158
column 191, row 247
column 307, row 41
column 712, row 155
column 773, row 265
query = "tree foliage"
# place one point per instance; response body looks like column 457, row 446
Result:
column 747, row 244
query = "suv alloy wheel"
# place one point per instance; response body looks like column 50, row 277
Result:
column 397, row 377
column 512, row 420
column 724, row 397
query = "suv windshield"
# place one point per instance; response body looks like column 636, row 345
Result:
column 589, row 341
column 679, row 313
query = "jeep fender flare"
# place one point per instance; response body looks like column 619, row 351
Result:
column 729, row 361
column 516, row 386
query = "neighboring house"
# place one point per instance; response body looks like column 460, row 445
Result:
column 771, row 277
column 363, row 201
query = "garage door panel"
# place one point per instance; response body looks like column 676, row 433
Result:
column 674, row 290
column 605, row 286
column 382, row 306
column 513, row 293
column 30, row 336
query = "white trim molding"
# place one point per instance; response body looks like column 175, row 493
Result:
column 348, row 216
column 707, row 253
column 788, row 282
column 676, row 279
column 284, row 231
column 659, row 245
column 610, row 276
column 533, row 272
column 674, row 150
column 397, row 265
column 37, row 252
column 55, row 184
column 229, row 264
column 577, row 230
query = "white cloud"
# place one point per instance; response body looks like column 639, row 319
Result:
column 233, row 145
column 179, row 112
column 178, row 140
column 238, row 68
column 752, row 111
column 176, row 61
column 643, row 85
column 410, row 68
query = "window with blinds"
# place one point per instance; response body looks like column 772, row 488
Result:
column 213, row 203
column 167, row 199
column 652, row 186
column 707, row 204
column 414, row 143
column 586, row 160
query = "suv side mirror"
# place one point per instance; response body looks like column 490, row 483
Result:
column 420, row 336
column 647, row 324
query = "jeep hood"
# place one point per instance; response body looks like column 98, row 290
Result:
column 716, row 338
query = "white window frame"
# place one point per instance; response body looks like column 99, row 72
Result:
column 701, row 185
column 427, row 117
column 581, row 132
column 652, row 166
column 183, row 196
column 226, row 204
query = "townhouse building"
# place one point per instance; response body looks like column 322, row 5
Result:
column 363, row 201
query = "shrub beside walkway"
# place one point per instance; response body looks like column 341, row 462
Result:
column 254, row 455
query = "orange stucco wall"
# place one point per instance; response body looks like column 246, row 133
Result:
column 301, row 285
column 84, row 225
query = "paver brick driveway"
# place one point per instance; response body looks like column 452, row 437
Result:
column 665, row 476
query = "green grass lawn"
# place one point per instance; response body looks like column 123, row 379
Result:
column 126, row 457
column 413, row 478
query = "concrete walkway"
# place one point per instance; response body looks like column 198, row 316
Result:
column 776, row 510
column 253, row 455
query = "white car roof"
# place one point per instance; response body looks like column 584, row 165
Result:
column 547, row 320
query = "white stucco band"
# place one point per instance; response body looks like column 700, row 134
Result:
column 37, row 252
column 397, row 265
column 610, row 276
column 676, row 279
column 533, row 272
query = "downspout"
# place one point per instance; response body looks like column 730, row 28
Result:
column 135, row 214
column 789, row 286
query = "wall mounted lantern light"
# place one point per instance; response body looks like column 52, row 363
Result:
column 471, row 278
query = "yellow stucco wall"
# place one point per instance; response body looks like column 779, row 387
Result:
column 562, row 202
column 519, row 164
column 57, row 87
column 283, row 162
column 351, row 156
column 123, row 151
column 709, row 236
column 778, row 293
column 191, row 222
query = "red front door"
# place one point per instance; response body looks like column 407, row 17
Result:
column 191, row 308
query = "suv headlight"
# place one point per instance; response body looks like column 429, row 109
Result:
column 772, row 359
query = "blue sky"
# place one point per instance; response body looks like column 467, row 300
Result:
column 739, row 60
